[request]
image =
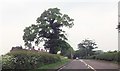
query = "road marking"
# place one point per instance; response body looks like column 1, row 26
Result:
column 87, row 65
column 90, row 67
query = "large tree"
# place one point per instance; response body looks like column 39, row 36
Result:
column 48, row 29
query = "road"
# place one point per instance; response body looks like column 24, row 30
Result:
column 89, row 65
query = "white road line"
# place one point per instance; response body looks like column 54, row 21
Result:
column 88, row 65
column 59, row 69
column 63, row 66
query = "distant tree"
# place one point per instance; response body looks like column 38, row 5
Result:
column 97, row 52
column 112, row 51
column 88, row 46
column 81, row 53
column 66, row 49
column 69, row 53
column 48, row 29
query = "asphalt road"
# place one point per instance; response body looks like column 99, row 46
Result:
column 89, row 65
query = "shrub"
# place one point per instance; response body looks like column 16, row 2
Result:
column 91, row 57
column 28, row 59
column 109, row 56
column 7, row 62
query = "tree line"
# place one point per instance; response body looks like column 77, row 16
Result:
column 85, row 49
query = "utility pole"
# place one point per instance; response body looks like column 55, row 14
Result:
column 118, row 27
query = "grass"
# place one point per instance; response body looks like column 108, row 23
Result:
column 55, row 65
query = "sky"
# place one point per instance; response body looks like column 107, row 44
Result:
column 93, row 19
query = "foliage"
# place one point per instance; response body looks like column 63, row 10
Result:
column 81, row 53
column 66, row 49
column 48, row 29
column 87, row 46
column 0, row 59
column 55, row 65
column 109, row 56
column 69, row 53
column 28, row 59
column 30, row 34
column 98, row 52
column 7, row 62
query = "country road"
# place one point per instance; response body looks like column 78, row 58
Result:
column 89, row 65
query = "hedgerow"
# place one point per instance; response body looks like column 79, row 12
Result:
column 27, row 59
column 108, row 56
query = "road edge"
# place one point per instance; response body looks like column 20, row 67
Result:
column 61, row 67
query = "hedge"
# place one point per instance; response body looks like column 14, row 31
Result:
column 108, row 56
column 27, row 59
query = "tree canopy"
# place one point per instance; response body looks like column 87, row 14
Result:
column 48, row 29
column 87, row 47
column 66, row 49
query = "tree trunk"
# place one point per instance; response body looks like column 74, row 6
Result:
column 52, row 51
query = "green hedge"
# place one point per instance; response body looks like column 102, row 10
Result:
column 27, row 59
column 109, row 56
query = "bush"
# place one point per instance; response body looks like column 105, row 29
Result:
column 108, row 56
column 91, row 57
column 7, row 62
column 28, row 59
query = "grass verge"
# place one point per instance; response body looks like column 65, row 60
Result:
column 55, row 65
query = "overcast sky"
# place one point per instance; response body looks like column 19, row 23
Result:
column 93, row 19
